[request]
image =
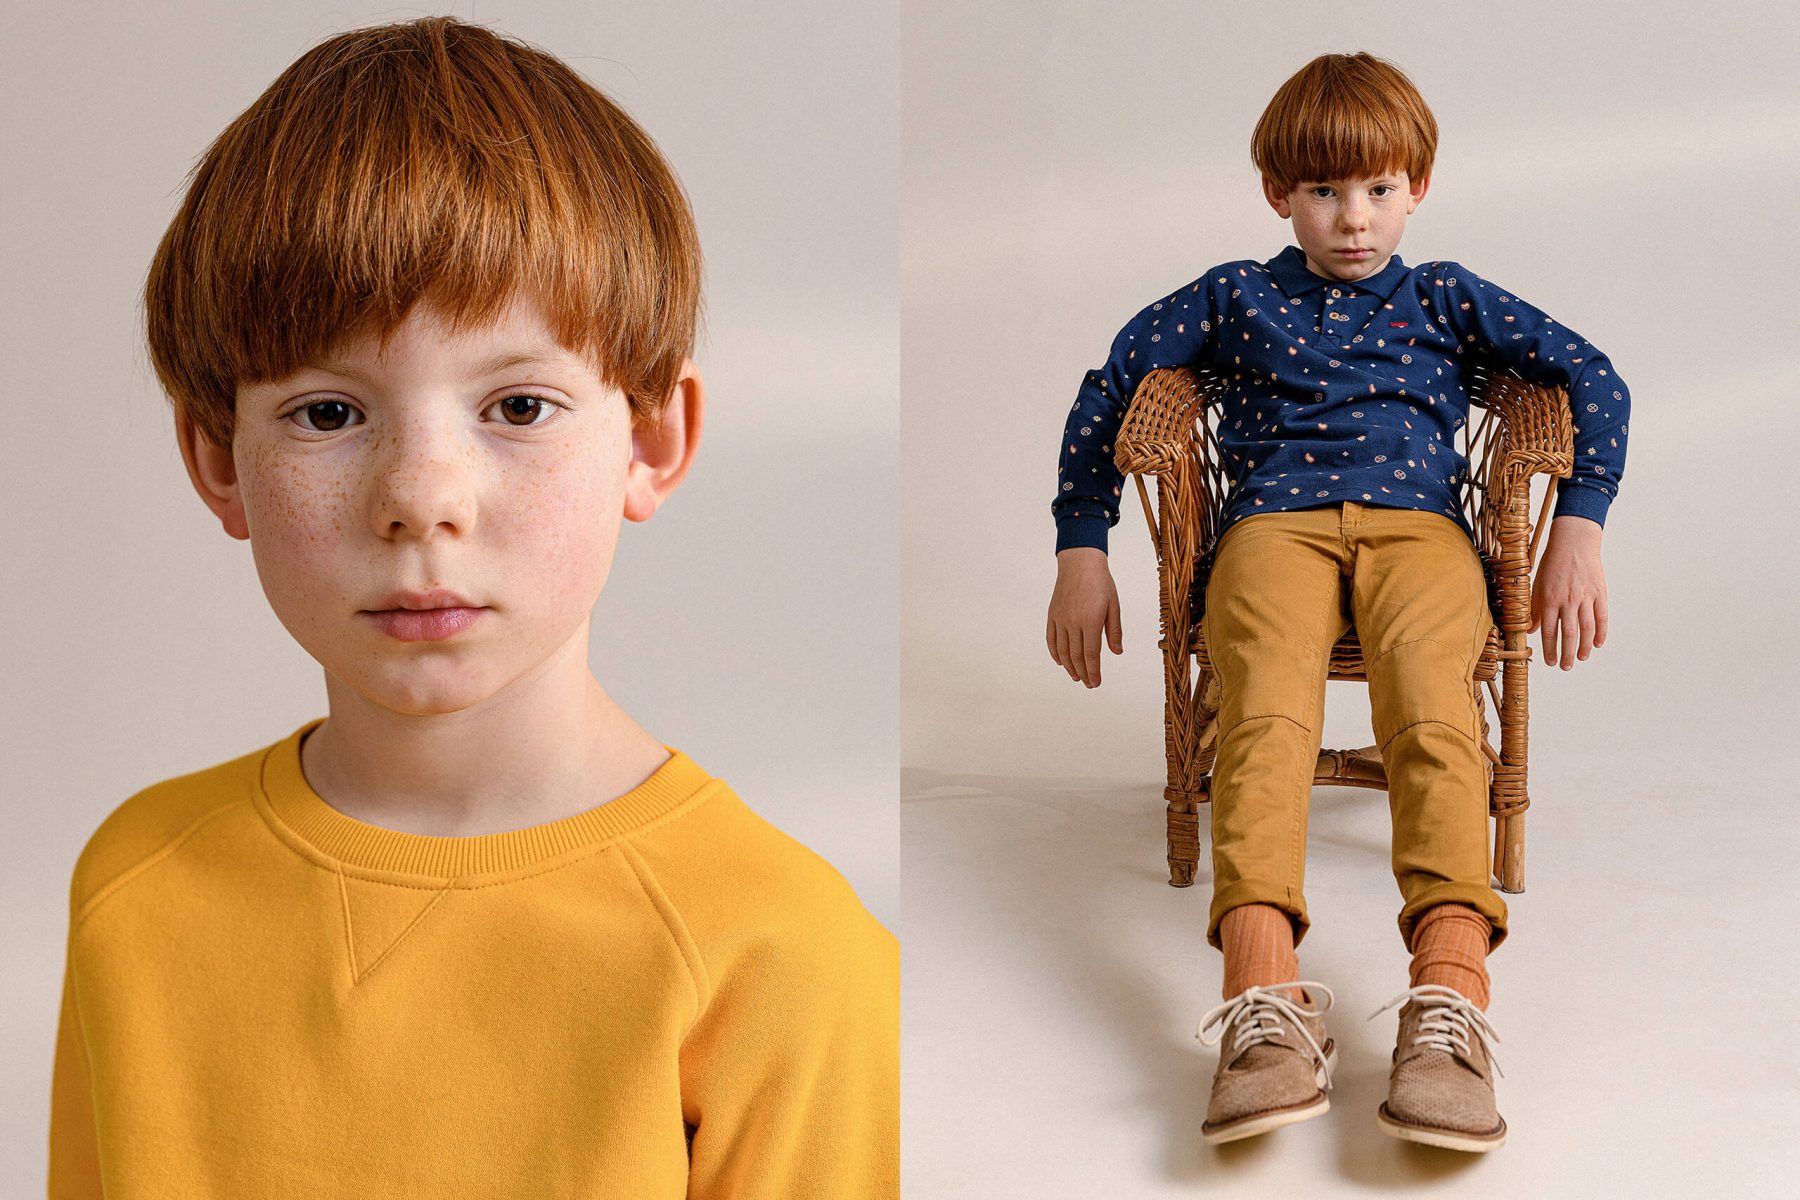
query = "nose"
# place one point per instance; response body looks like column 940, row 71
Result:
column 424, row 483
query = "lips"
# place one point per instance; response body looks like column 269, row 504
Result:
column 425, row 625
column 421, row 601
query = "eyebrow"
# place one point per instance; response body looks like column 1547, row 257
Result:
column 491, row 365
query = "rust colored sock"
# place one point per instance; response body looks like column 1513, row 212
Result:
column 1258, row 940
column 1450, row 945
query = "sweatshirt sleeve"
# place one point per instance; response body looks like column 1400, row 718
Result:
column 1173, row 331
column 790, row 1074
column 1481, row 313
column 74, row 1146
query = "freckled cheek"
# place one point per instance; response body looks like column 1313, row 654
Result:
column 561, row 528
column 301, row 526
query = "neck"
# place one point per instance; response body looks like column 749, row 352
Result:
column 547, row 746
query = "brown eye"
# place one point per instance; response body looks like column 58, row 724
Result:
column 522, row 410
column 327, row 416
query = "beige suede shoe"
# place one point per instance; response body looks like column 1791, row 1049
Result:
column 1275, row 1061
column 1441, row 1087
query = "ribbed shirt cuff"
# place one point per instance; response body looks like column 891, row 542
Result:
column 1081, row 531
column 1578, row 501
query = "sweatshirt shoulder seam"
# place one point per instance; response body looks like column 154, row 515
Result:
column 674, row 926
column 118, row 882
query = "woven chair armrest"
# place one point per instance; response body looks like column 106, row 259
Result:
column 1534, row 435
column 1540, row 432
column 1165, row 434
column 1159, row 428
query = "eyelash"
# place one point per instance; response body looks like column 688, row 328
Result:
column 1326, row 188
column 509, row 396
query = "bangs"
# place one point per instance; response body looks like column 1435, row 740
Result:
column 431, row 162
column 1344, row 116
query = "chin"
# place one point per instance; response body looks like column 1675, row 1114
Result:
column 423, row 690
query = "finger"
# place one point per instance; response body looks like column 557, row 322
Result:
column 1587, row 629
column 1050, row 635
column 1570, row 634
column 1091, row 658
column 1063, row 656
column 1548, row 635
column 1115, row 632
column 1077, row 654
column 1600, row 619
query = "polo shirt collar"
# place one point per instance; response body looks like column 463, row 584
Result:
column 1295, row 277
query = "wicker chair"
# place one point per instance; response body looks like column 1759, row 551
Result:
column 1516, row 429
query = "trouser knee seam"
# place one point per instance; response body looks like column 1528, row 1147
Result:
column 1412, row 641
column 1426, row 721
column 1268, row 716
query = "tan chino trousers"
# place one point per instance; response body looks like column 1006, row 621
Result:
column 1284, row 588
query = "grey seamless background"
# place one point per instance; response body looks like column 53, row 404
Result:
column 1068, row 163
column 752, row 622
column 1632, row 170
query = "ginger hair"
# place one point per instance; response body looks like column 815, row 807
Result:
column 1344, row 116
column 431, row 161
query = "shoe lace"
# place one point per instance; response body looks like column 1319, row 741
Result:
column 1256, row 1012
column 1447, row 1018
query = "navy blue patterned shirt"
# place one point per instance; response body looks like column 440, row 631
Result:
column 1339, row 391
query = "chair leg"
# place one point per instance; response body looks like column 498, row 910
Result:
column 1509, row 828
column 1184, row 840
column 1510, row 838
column 1183, row 718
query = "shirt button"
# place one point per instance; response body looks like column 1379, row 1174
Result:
column 1335, row 292
column 1339, row 317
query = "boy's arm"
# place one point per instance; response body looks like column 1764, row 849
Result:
column 74, row 1147
column 1171, row 332
column 1478, row 312
column 791, row 1073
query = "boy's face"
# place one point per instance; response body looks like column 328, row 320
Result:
column 1332, row 216
column 436, row 467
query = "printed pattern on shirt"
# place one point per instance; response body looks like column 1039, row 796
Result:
column 1339, row 390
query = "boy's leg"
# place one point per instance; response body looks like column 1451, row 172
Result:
column 1450, row 945
column 1275, row 605
column 1258, row 940
column 1419, row 600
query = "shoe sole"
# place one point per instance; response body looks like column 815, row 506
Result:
column 1263, row 1122
column 1430, row 1135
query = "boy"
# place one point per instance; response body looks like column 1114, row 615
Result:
column 425, row 315
column 1345, row 391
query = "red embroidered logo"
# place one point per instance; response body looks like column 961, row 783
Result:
column 1397, row 324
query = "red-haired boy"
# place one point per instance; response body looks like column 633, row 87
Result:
column 1346, row 377
column 425, row 315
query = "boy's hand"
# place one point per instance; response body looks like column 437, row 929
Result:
column 1085, row 602
column 1568, row 597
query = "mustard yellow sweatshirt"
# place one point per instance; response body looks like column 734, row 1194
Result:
column 663, row 996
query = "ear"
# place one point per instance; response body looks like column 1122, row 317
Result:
column 661, row 456
column 1277, row 200
column 214, row 474
column 1417, row 187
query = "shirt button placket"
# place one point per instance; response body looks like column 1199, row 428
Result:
column 1331, row 327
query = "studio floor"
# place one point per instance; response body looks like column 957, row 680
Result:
column 1054, row 982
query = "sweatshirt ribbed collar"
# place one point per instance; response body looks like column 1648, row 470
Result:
column 301, row 813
